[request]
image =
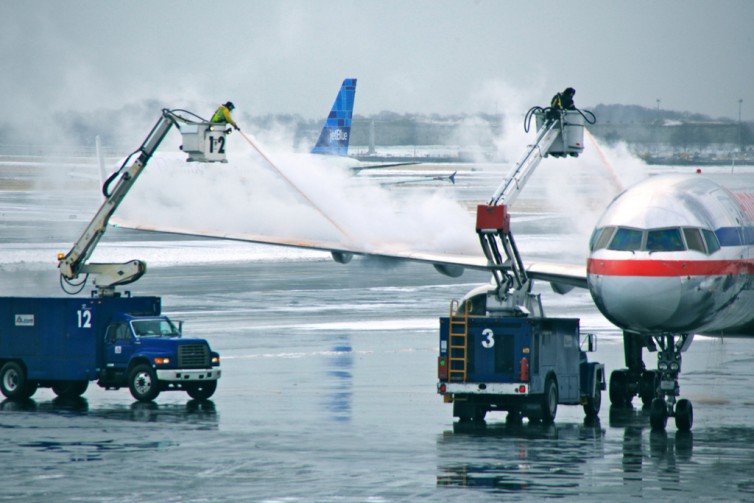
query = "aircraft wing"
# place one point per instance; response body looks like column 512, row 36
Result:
column 562, row 277
column 310, row 206
column 363, row 166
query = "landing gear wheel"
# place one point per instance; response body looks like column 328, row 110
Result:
column 684, row 415
column 658, row 414
column 13, row 382
column 549, row 401
column 201, row 391
column 593, row 403
column 650, row 381
column 619, row 388
column 143, row 383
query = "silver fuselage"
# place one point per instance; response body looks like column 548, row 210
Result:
column 657, row 269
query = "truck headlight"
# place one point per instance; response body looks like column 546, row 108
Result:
column 215, row 360
column 161, row 361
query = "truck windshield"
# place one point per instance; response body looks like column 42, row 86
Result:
column 155, row 328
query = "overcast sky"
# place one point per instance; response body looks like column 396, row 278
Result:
column 443, row 56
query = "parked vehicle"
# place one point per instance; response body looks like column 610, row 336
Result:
column 64, row 343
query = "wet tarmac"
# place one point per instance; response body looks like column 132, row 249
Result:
column 329, row 392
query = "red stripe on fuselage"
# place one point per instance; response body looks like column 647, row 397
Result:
column 669, row 267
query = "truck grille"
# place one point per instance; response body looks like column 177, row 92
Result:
column 193, row 356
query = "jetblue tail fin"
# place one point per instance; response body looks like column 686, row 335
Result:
column 333, row 140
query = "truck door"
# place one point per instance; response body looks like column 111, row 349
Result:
column 119, row 345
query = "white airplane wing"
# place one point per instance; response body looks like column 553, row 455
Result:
column 562, row 277
column 313, row 207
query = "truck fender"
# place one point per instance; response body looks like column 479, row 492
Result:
column 595, row 378
column 599, row 376
column 138, row 360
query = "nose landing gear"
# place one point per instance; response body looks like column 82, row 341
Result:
column 664, row 404
column 659, row 388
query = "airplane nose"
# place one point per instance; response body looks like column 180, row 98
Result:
column 636, row 303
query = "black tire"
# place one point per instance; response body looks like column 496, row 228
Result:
column 13, row 382
column 70, row 389
column 650, row 381
column 201, row 391
column 549, row 403
column 593, row 403
column 514, row 417
column 684, row 415
column 468, row 411
column 142, row 381
column 658, row 414
column 619, row 388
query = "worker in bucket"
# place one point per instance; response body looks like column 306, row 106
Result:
column 561, row 101
column 222, row 115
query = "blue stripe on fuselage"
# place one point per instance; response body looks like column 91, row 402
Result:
column 735, row 236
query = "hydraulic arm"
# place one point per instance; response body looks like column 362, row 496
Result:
column 557, row 136
column 106, row 275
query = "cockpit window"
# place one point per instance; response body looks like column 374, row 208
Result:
column 626, row 239
column 155, row 328
column 665, row 240
column 711, row 239
column 655, row 240
column 601, row 238
column 694, row 239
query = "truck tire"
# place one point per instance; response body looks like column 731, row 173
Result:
column 13, row 382
column 593, row 403
column 550, row 401
column 201, row 391
column 468, row 411
column 70, row 389
column 142, row 381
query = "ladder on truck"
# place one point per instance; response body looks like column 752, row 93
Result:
column 458, row 334
column 493, row 218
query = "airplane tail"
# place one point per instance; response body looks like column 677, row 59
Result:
column 336, row 132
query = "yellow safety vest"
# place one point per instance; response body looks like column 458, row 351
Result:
column 222, row 114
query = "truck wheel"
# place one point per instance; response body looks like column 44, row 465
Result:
column 70, row 389
column 13, row 382
column 550, row 401
column 201, row 391
column 143, row 383
column 468, row 411
column 593, row 403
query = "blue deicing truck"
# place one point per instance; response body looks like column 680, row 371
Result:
column 65, row 343
column 520, row 364
column 498, row 350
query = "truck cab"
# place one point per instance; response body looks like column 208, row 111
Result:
column 150, row 354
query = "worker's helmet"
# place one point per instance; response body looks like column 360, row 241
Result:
column 570, row 90
column 229, row 105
